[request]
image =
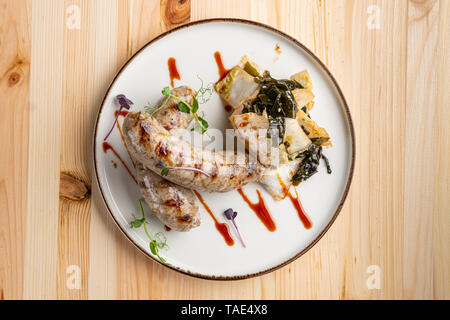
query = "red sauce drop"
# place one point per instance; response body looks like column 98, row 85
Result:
column 222, row 70
column 123, row 113
column 106, row 147
column 278, row 51
column 228, row 108
column 173, row 71
column 284, row 189
column 114, row 163
column 221, row 227
column 301, row 212
column 260, row 209
column 167, row 228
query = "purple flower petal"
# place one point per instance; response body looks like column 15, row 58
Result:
column 124, row 103
column 229, row 214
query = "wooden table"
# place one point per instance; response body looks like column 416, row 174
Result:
column 391, row 59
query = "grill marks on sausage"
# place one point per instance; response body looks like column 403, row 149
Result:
column 174, row 203
column 163, row 184
column 251, row 169
column 215, row 172
column 145, row 130
column 185, row 219
column 161, row 150
column 160, row 145
column 198, row 166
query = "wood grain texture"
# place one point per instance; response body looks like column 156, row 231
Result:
column 394, row 77
column 15, row 56
column 46, row 89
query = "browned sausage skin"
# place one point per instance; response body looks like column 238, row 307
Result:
column 151, row 144
column 172, row 119
column 174, row 205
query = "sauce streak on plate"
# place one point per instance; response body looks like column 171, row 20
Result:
column 222, row 70
column 124, row 114
column 106, row 147
column 297, row 204
column 301, row 212
column 173, row 71
column 221, row 227
column 260, row 209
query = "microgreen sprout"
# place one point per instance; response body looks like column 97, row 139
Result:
column 231, row 215
column 165, row 169
column 204, row 93
column 202, row 96
column 158, row 242
column 201, row 124
column 124, row 103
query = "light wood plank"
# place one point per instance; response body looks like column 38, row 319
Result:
column 44, row 150
column 104, row 236
column 420, row 151
column 374, row 226
column 14, row 125
column 76, row 136
column 441, row 226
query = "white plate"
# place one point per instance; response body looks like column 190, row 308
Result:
column 203, row 252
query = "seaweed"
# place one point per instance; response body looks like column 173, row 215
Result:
column 311, row 160
column 275, row 97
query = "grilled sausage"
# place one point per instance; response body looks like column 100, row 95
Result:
column 174, row 205
column 172, row 119
column 151, row 144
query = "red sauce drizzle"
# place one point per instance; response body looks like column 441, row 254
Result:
column 301, row 212
column 106, row 147
column 283, row 186
column 296, row 202
column 260, row 209
column 221, row 227
column 222, row 70
column 173, row 71
column 114, row 163
column 167, row 228
column 124, row 114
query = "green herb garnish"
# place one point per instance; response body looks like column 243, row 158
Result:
column 201, row 124
column 204, row 93
column 202, row 96
column 137, row 223
column 158, row 242
column 151, row 110
column 165, row 169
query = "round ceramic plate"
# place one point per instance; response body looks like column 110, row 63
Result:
column 202, row 252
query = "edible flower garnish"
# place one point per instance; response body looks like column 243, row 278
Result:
column 124, row 103
column 158, row 242
column 231, row 215
column 165, row 169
